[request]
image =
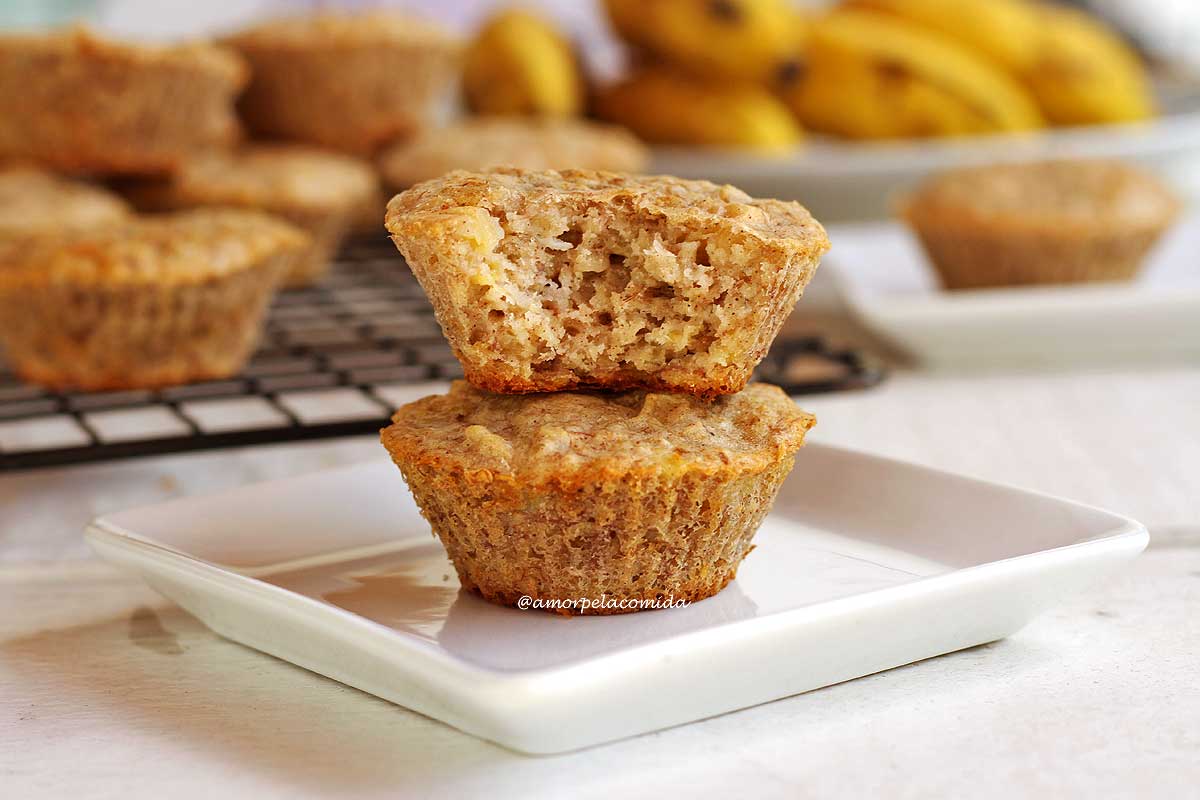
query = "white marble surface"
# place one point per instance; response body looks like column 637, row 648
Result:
column 105, row 691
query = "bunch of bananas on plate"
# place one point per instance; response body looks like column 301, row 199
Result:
column 756, row 73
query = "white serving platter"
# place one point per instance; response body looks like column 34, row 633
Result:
column 842, row 181
column 863, row 565
column 890, row 287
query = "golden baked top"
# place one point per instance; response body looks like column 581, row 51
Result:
column 1050, row 194
column 559, row 435
column 440, row 203
column 336, row 30
column 186, row 247
column 37, row 203
column 217, row 60
column 481, row 143
column 271, row 176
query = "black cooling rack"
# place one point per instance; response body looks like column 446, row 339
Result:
column 335, row 360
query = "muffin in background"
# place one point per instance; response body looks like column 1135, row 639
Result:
column 78, row 103
column 148, row 303
column 557, row 280
column 481, row 143
column 322, row 193
column 636, row 496
column 1039, row 223
column 34, row 203
column 351, row 82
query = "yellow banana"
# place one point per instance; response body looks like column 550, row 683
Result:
column 519, row 64
column 870, row 75
column 747, row 40
column 663, row 106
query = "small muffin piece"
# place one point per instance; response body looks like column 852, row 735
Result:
column 482, row 143
column 544, row 281
column 152, row 302
column 322, row 193
column 351, row 82
column 632, row 496
column 1045, row 222
column 78, row 103
column 35, row 203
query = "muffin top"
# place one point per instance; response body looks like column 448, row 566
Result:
column 528, row 143
column 213, row 59
column 283, row 177
column 509, row 192
column 1050, row 194
column 560, row 435
column 187, row 247
column 338, row 30
column 36, row 203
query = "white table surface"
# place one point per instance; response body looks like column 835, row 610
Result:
column 107, row 691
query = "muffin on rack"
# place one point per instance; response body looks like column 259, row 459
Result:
column 320, row 192
column 34, row 203
column 1038, row 223
column 146, row 303
column 75, row 102
column 546, row 281
column 482, row 143
column 349, row 82
column 638, row 497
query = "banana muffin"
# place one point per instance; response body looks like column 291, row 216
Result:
column 148, row 303
column 634, row 497
column 350, row 82
column 545, row 281
column 35, row 203
column 322, row 193
column 76, row 102
column 483, row 143
column 1038, row 223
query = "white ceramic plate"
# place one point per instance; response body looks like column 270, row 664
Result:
column 857, row 181
column 888, row 284
column 864, row 564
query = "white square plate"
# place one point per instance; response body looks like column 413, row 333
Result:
column 864, row 564
column 891, row 288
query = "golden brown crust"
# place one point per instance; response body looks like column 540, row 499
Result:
column 351, row 82
column 482, row 143
column 133, row 108
column 36, row 203
column 185, row 248
column 562, row 496
column 544, row 281
column 1049, row 222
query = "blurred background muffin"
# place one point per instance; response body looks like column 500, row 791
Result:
column 35, row 203
column 320, row 192
column 349, row 82
column 1054, row 222
column 78, row 102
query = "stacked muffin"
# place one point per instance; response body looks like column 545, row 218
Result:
column 605, row 446
column 94, row 296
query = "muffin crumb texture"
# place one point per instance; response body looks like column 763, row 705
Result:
column 545, row 281
column 637, row 495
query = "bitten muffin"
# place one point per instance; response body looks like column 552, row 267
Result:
column 76, row 102
column 149, row 303
column 322, row 193
column 35, row 203
column 482, row 143
column 633, row 496
column 545, row 281
column 1047, row 222
column 353, row 82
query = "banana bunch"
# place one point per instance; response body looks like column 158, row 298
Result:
column 660, row 105
column 519, row 64
column 1076, row 69
column 875, row 77
column 706, row 69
